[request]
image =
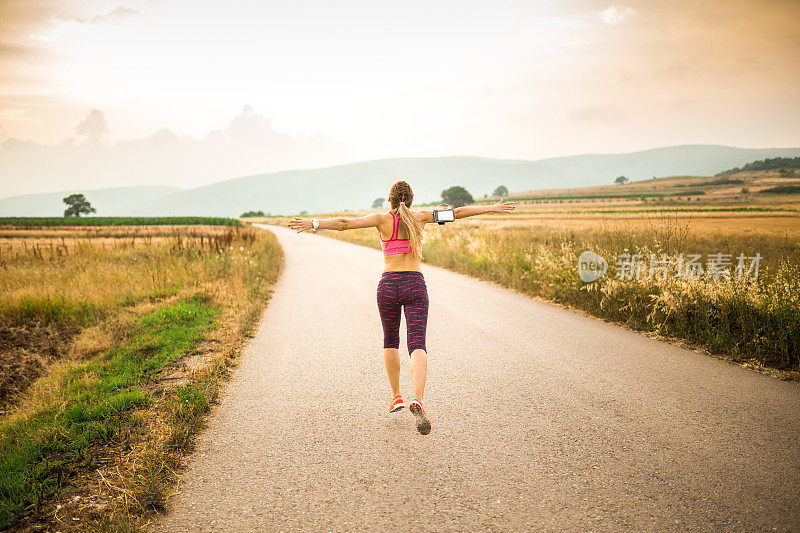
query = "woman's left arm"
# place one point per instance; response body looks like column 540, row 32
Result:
column 502, row 206
column 338, row 223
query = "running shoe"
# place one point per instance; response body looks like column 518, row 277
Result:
column 423, row 424
column 396, row 403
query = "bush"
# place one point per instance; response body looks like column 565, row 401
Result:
column 783, row 189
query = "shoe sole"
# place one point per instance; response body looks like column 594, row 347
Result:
column 397, row 408
column 423, row 424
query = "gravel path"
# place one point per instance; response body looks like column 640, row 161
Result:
column 542, row 419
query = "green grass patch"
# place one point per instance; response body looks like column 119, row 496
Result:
column 55, row 310
column 40, row 451
column 118, row 221
column 725, row 181
column 783, row 189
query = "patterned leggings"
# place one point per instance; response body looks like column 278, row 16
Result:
column 406, row 289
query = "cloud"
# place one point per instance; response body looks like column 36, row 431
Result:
column 616, row 14
column 12, row 51
column 12, row 115
column 247, row 145
column 60, row 25
column 94, row 127
column 115, row 15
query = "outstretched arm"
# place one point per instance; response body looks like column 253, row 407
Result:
column 338, row 223
column 502, row 206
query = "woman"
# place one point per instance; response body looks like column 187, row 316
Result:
column 402, row 284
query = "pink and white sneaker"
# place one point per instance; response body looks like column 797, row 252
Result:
column 396, row 403
column 416, row 408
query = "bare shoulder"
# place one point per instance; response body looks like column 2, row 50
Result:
column 424, row 215
column 386, row 219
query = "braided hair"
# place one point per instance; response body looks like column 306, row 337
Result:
column 400, row 198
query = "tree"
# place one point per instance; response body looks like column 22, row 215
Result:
column 457, row 196
column 502, row 190
column 78, row 205
column 258, row 213
column 378, row 203
column 621, row 180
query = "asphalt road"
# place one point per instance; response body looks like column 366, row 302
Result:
column 543, row 419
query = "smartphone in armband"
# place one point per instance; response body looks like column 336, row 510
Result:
column 441, row 216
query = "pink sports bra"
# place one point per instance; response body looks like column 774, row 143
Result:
column 394, row 245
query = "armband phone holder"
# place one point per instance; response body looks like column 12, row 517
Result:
column 440, row 216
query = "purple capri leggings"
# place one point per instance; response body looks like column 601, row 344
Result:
column 406, row 289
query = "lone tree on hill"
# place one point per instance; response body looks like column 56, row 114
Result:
column 502, row 190
column 78, row 205
column 378, row 203
column 621, row 180
column 457, row 196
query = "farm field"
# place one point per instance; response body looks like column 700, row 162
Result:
column 115, row 340
column 696, row 223
column 116, row 221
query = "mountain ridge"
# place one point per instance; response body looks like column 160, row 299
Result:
column 356, row 185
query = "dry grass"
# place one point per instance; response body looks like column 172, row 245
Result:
column 81, row 278
column 103, row 288
column 125, row 232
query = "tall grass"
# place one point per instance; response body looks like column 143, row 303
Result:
column 138, row 307
column 757, row 320
column 81, row 280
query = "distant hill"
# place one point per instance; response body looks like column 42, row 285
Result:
column 356, row 185
column 108, row 202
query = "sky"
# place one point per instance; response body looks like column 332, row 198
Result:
column 185, row 93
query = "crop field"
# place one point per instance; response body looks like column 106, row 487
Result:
column 115, row 340
column 117, row 221
column 697, row 224
column 51, row 241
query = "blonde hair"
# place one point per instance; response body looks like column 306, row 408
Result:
column 400, row 198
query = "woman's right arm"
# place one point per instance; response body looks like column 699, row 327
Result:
column 338, row 223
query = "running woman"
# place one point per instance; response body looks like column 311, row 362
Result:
column 402, row 284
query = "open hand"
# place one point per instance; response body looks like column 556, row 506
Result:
column 300, row 224
column 503, row 206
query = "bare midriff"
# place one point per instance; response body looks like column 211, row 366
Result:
column 394, row 263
